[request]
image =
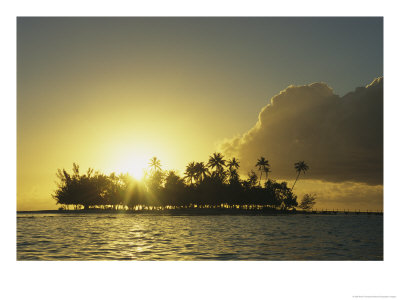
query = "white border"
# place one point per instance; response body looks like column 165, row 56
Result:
column 197, row 280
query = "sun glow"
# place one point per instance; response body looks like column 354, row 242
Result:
column 127, row 159
column 131, row 153
column 135, row 166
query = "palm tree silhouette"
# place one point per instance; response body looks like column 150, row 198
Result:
column 155, row 164
column 233, row 175
column 233, row 164
column 263, row 167
column 300, row 166
column 190, row 172
column 201, row 171
column 217, row 161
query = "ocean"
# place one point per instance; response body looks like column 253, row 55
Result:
column 292, row 237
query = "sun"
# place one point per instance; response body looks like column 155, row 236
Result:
column 136, row 172
column 134, row 157
column 135, row 166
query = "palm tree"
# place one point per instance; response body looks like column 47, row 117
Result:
column 217, row 161
column 155, row 164
column 263, row 167
column 300, row 166
column 201, row 171
column 172, row 179
column 267, row 169
column 233, row 176
column 233, row 164
column 190, row 172
column 252, row 180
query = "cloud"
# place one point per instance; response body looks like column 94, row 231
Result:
column 340, row 138
column 343, row 195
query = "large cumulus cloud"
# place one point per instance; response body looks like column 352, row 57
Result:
column 341, row 138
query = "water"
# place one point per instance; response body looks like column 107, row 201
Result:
column 150, row 237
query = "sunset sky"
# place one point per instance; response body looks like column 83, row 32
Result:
column 110, row 93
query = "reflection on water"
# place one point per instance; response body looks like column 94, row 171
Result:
column 144, row 237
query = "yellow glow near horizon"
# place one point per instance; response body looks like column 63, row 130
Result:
column 134, row 157
column 135, row 166
column 126, row 160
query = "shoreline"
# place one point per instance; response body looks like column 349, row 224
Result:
column 200, row 212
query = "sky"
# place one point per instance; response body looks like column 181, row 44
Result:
column 110, row 93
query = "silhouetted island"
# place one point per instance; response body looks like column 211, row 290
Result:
column 215, row 185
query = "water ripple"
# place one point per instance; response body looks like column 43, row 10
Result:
column 145, row 237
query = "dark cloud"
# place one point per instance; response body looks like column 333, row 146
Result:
column 341, row 138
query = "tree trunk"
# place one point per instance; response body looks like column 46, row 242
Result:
column 298, row 174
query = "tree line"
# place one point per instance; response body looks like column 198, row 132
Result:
column 213, row 184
